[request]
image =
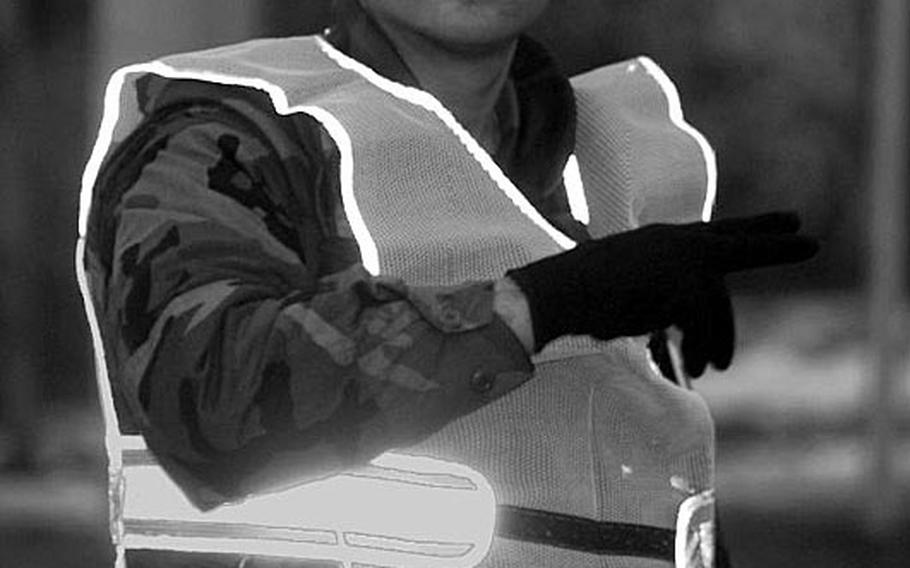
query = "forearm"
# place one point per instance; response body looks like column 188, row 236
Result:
column 323, row 383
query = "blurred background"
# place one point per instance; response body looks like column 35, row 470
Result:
column 805, row 102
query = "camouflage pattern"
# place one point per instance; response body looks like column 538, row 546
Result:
column 244, row 338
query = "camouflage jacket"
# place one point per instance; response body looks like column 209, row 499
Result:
column 233, row 287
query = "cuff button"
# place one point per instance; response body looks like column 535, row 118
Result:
column 482, row 382
column 451, row 318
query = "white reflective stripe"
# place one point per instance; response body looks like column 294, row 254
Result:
column 411, row 547
column 345, row 554
column 688, row 545
column 222, row 530
column 575, row 191
column 369, row 254
column 402, row 511
column 245, row 546
column 132, row 442
column 430, row 103
column 423, row 470
column 112, row 436
column 676, row 116
column 109, row 117
column 336, row 502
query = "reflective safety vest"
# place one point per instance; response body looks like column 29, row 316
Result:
column 597, row 433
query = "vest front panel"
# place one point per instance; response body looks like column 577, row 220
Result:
column 597, row 432
column 434, row 214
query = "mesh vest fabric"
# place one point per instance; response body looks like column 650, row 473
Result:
column 597, row 432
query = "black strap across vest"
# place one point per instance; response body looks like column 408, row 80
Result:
column 586, row 535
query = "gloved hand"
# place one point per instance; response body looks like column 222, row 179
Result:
column 650, row 278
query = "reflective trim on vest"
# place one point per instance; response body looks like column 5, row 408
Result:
column 112, row 114
column 695, row 532
column 427, row 101
column 111, row 424
column 387, row 513
column 575, row 191
column 676, row 115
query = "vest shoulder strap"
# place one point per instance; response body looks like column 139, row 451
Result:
column 641, row 162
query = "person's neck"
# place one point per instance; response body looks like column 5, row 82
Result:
column 469, row 84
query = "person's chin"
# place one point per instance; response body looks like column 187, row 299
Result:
column 475, row 41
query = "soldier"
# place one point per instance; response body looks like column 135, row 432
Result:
column 413, row 233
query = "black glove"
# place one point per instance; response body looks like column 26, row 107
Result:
column 647, row 279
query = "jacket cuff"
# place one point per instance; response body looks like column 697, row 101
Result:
column 455, row 309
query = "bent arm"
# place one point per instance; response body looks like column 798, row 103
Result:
column 252, row 369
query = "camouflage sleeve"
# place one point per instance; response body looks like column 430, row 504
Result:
column 248, row 367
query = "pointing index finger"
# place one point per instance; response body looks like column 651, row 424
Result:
column 733, row 253
column 776, row 222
